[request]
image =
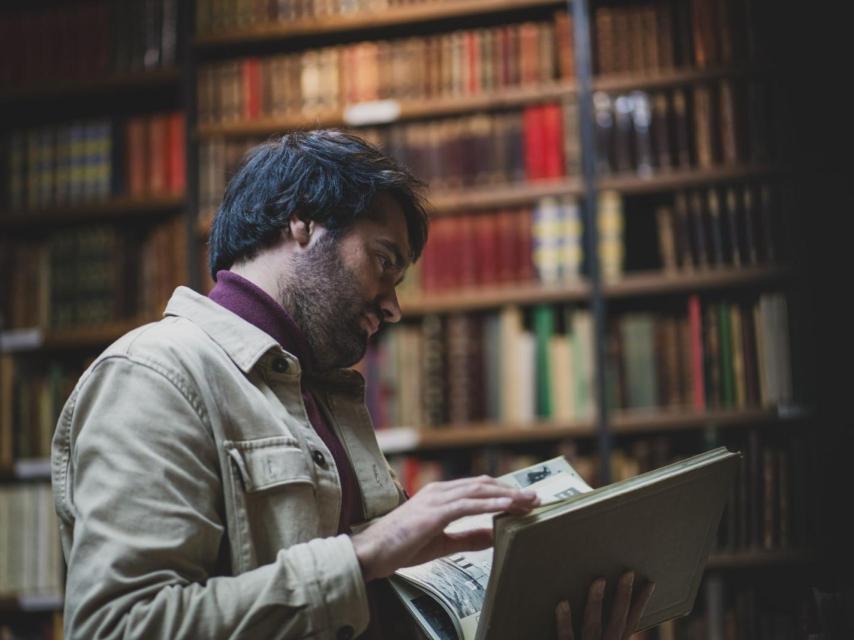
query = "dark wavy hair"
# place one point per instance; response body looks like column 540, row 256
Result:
column 326, row 175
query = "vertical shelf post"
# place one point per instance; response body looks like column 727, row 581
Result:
column 580, row 12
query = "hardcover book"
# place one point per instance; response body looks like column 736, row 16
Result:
column 578, row 534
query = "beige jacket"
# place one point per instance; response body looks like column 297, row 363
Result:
column 196, row 500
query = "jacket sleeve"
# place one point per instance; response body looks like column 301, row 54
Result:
column 142, row 497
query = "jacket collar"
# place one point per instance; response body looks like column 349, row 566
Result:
column 243, row 342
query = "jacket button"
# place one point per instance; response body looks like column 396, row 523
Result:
column 320, row 461
column 345, row 633
column 280, row 365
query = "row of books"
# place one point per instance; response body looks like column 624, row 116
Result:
column 524, row 245
column 33, row 397
column 90, row 161
column 30, row 553
column 94, row 275
column 735, row 226
column 722, row 122
column 656, row 36
column 466, row 368
column 530, row 144
column 728, row 609
column 87, row 41
column 455, row 64
column 516, row 367
column 716, row 354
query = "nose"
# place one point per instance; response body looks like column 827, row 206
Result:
column 390, row 307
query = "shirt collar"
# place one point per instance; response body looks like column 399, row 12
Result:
column 248, row 301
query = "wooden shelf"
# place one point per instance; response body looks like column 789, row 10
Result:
column 654, row 420
column 661, row 283
column 404, row 439
column 390, row 16
column 632, row 285
column 30, row 469
column 497, row 196
column 403, row 110
column 669, row 78
column 758, row 559
column 682, row 179
column 409, row 439
column 112, row 209
column 493, row 297
column 143, row 80
column 34, row 603
column 56, row 340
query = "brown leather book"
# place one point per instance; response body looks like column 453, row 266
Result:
column 604, row 21
column 565, row 39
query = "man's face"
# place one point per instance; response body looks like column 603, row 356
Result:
column 342, row 290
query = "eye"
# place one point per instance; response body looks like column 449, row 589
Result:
column 385, row 261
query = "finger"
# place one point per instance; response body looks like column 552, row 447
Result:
column 620, row 609
column 483, row 489
column 592, row 629
column 474, row 506
column 563, row 618
column 448, row 485
column 638, row 607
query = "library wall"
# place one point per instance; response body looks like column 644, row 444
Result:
column 687, row 192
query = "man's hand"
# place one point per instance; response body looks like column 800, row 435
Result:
column 624, row 615
column 414, row 532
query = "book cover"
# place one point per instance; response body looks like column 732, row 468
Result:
column 596, row 520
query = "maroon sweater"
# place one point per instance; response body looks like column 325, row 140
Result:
column 241, row 297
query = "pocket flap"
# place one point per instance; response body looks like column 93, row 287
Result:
column 268, row 462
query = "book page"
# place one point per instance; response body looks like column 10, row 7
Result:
column 459, row 581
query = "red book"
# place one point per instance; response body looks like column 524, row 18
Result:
column 136, row 163
column 695, row 316
column 156, row 155
column 532, row 126
column 508, row 262
column 524, row 245
column 486, row 247
column 473, row 61
column 176, row 162
column 553, row 142
column 251, row 88
column 464, row 248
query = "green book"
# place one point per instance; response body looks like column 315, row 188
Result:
column 638, row 349
column 727, row 373
column 544, row 329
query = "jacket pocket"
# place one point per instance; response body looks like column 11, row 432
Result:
column 266, row 463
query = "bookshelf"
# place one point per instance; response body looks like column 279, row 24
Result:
column 401, row 119
column 93, row 197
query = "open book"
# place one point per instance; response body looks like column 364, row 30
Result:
column 661, row 524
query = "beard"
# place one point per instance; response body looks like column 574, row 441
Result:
column 322, row 296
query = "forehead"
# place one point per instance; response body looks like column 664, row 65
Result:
column 385, row 219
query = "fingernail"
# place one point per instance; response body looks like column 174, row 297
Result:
column 629, row 578
column 527, row 493
column 600, row 587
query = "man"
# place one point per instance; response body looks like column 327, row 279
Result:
column 210, row 469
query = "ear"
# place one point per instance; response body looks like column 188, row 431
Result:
column 300, row 230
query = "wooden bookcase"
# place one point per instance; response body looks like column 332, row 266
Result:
column 609, row 431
